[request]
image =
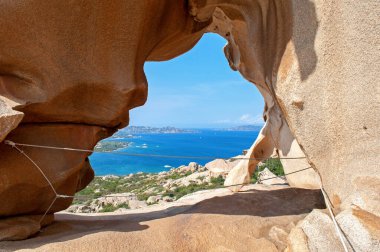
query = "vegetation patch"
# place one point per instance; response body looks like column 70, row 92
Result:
column 179, row 192
column 164, row 186
column 273, row 164
column 111, row 208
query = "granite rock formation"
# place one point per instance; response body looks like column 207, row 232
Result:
column 70, row 71
column 79, row 65
column 214, row 220
column 314, row 63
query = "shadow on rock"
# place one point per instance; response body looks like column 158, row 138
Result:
column 252, row 204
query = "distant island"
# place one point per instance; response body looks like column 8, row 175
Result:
column 245, row 128
column 107, row 146
column 130, row 130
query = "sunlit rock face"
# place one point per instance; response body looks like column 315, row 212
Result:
column 9, row 119
column 258, row 33
column 315, row 63
column 78, row 67
column 70, row 71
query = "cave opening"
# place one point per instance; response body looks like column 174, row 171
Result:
column 197, row 90
column 198, row 110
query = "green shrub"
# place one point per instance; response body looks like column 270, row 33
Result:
column 177, row 175
column 111, row 208
column 123, row 205
column 217, row 181
column 273, row 164
column 143, row 196
column 108, row 208
column 184, row 190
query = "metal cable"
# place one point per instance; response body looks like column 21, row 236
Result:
column 14, row 145
column 45, row 177
column 8, row 142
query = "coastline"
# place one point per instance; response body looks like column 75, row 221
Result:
column 222, row 144
column 112, row 193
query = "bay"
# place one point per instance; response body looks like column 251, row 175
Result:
column 205, row 142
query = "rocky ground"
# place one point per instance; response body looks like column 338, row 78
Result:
column 259, row 218
column 122, row 193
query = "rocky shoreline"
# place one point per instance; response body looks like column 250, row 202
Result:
column 123, row 193
column 109, row 146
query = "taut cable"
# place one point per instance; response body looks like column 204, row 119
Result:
column 11, row 143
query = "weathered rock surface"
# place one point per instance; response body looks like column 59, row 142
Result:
column 71, row 71
column 130, row 201
column 23, row 187
column 222, row 166
column 216, row 220
column 315, row 63
column 362, row 229
column 196, row 177
column 267, row 177
column 319, row 231
column 307, row 51
column 153, row 199
column 9, row 119
column 18, row 228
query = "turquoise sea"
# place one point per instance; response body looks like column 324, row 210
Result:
column 205, row 142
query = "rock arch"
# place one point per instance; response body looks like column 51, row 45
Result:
column 313, row 61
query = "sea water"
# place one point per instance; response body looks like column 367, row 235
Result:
column 209, row 143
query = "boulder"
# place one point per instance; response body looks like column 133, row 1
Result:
column 221, row 166
column 193, row 166
column 110, row 177
column 153, row 199
column 297, row 241
column 9, row 119
column 266, row 177
column 196, row 177
column 278, row 235
column 319, row 231
column 18, row 228
column 362, row 229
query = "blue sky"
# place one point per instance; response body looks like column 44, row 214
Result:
column 198, row 90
